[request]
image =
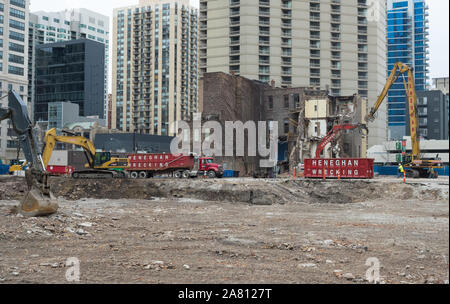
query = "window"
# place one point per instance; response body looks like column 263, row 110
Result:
column 15, row 70
column 17, row 24
column 16, row 13
column 19, row 3
column 270, row 102
column 1, row 19
column 286, row 126
column 286, row 101
column 16, row 36
column 15, row 59
column 12, row 144
column 45, row 18
column 297, row 100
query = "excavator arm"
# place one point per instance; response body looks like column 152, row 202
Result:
column 335, row 132
column 51, row 138
column 39, row 200
column 398, row 70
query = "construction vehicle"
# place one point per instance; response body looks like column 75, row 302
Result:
column 39, row 200
column 336, row 132
column 17, row 165
column 179, row 166
column 100, row 165
column 415, row 166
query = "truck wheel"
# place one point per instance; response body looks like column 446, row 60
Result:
column 212, row 174
column 142, row 174
column 177, row 174
column 134, row 175
column 75, row 175
column 186, row 174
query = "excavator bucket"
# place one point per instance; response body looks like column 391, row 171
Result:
column 38, row 203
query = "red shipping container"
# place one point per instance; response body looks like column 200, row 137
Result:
column 160, row 162
column 351, row 168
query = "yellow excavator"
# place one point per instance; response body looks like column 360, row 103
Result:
column 100, row 165
column 415, row 166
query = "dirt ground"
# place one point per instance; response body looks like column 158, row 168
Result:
column 229, row 231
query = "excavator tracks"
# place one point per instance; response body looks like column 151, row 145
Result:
column 98, row 174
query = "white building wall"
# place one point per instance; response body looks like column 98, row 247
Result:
column 13, row 64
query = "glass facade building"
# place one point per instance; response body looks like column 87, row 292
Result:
column 79, row 23
column 71, row 71
column 407, row 32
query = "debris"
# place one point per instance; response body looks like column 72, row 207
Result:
column 187, row 267
column 338, row 273
column 348, row 276
column 85, row 225
column 307, row 265
column 81, row 232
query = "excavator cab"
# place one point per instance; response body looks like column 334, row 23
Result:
column 101, row 158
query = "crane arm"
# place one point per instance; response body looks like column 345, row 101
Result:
column 335, row 133
column 51, row 138
column 399, row 69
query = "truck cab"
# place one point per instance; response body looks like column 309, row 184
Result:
column 207, row 165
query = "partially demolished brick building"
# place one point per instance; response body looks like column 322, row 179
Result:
column 304, row 116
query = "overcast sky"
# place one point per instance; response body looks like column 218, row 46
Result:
column 439, row 24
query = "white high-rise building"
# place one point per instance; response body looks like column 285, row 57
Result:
column 339, row 45
column 154, row 65
column 14, row 16
column 80, row 23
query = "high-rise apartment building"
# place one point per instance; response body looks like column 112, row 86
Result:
column 339, row 45
column 73, row 24
column 154, row 65
column 407, row 33
column 14, row 16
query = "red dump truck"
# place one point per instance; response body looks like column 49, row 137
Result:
column 179, row 166
column 351, row 168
